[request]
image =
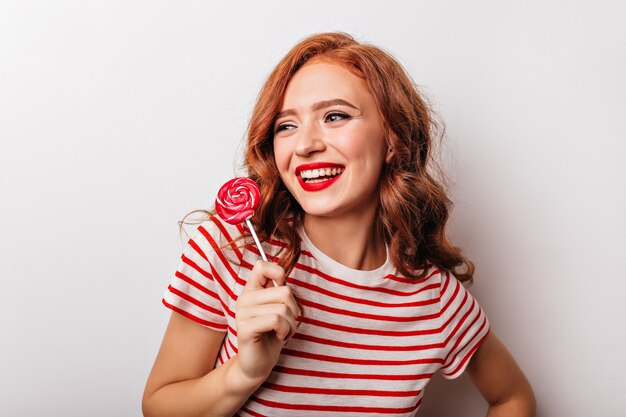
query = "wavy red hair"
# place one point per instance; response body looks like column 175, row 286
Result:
column 414, row 207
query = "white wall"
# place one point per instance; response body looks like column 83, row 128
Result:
column 117, row 118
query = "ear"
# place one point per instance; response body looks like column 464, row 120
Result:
column 390, row 154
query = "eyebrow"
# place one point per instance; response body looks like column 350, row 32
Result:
column 319, row 105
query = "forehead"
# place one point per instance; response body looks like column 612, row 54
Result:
column 323, row 81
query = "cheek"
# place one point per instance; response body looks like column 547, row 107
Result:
column 361, row 140
column 282, row 156
column 364, row 151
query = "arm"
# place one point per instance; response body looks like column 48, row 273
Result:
column 496, row 375
column 183, row 381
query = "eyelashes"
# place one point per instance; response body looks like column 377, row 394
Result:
column 283, row 126
column 335, row 117
column 331, row 117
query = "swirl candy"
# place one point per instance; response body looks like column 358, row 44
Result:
column 237, row 199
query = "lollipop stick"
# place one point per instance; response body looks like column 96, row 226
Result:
column 256, row 240
column 258, row 244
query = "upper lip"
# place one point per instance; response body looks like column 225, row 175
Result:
column 316, row 165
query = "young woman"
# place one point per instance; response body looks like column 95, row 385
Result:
column 370, row 301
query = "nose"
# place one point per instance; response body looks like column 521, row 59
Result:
column 310, row 140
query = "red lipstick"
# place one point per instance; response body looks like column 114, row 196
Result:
column 317, row 186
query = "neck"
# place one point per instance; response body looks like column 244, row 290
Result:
column 351, row 241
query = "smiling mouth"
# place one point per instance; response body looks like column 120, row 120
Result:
column 313, row 176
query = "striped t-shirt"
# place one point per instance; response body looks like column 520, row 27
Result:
column 368, row 343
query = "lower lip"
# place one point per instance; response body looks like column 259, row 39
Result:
column 317, row 186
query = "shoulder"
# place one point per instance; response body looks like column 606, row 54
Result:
column 442, row 281
column 453, row 291
column 434, row 274
column 427, row 274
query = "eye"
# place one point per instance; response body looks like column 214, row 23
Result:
column 284, row 126
column 335, row 117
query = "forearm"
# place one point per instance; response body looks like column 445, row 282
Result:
column 221, row 392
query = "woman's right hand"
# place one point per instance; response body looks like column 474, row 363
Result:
column 266, row 318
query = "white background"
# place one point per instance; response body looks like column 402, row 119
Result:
column 117, row 118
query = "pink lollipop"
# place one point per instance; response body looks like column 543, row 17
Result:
column 235, row 203
column 237, row 200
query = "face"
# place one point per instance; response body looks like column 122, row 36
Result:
column 329, row 141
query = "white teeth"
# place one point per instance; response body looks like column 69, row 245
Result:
column 321, row 172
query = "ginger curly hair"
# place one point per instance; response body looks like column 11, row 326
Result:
column 414, row 206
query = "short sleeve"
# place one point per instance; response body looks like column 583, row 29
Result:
column 465, row 326
column 193, row 291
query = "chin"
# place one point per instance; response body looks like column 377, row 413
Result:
column 316, row 211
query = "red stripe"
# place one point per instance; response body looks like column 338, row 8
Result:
column 217, row 326
column 377, row 332
column 445, row 280
column 454, row 351
column 254, row 249
column 223, row 284
column 337, row 391
column 413, row 280
column 336, row 408
column 471, row 352
column 244, row 231
column 449, row 303
column 207, row 291
column 352, row 361
column 460, row 324
column 351, row 313
column 232, row 346
column 330, row 278
column 315, row 288
column 455, row 314
column 192, row 300
column 228, row 237
column 217, row 277
column 193, row 283
column 335, row 280
column 252, row 413
column 322, row 374
column 276, row 243
column 232, row 242
column 195, row 266
column 194, row 245
column 220, row 254
column 315, row 339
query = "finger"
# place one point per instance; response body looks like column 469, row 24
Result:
column 255, row 328
column 271, row 295
column 261, row 273
column 265, row 309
